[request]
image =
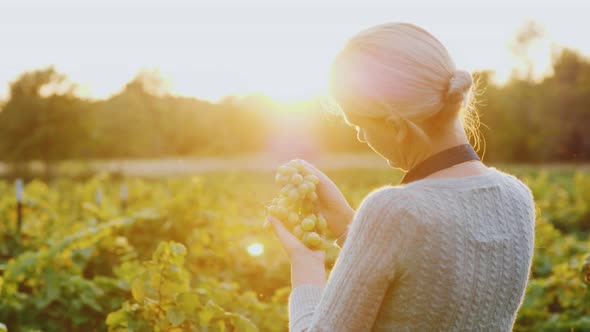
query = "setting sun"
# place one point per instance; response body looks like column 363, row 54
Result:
column 255, row 249
column 283, row 50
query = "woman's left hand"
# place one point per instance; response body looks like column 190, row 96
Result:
column 307, row 266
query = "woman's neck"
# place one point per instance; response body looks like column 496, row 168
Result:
column 419, row 154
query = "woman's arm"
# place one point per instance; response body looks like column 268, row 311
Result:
column 332, row 204
column 306, row 270
column 368, row 262
column 347, row 218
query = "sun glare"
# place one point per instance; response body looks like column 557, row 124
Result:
column 255, row 249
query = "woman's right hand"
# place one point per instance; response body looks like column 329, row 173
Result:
column 332, row 204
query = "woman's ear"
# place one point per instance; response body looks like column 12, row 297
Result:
column 398, row 126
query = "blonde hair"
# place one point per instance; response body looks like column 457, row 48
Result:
column 401, row 73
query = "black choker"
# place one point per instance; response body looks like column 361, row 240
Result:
column 441, row 160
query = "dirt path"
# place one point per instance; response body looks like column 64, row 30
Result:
column 182, row 166
column 250, row 163
column 162, row 167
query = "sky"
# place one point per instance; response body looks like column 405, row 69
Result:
column 208, row 49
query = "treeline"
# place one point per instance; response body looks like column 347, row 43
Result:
column 539, row 122
column 138, row 122
column 43, row 119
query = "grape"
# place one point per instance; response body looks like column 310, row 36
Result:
column 292, row 203
column 307, row 206
column 279, row 211
column 322, row 223
column 286, row 189
column 297, row 204
column 296, row 179
column 293, row 194
column 283, row 213
column 272, row 210
column 310, row 186
column 297, row 165
column 281, row 179
column 313, row 196
column 307, row 224
column 311, row 239
column 293, row 218
column 284, row 202
column 312, row 178
column 303, row 189
column 286, row 170
column 298, row 232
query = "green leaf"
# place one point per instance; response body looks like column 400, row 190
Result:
column 137, row 290
column 178, row 248
column 161, row 252
column 175, row 316
column 188, row 301
column 91, row 208
column 221, row 326
column 51, row 289
column 116, row 318
column 243, row 324
column 205, row 316
column 91, row 302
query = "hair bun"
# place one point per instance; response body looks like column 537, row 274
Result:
column 459, row 84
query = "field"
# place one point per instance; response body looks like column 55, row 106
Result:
column 188, row 253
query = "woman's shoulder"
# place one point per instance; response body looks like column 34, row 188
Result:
column 424, row 192
column 387, row 210
column 490, row 178
column 418, row 196
column 387, row 199
column 518, row 184
column 513, row 184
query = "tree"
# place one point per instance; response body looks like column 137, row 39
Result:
column 42, row 119
column 571, row 83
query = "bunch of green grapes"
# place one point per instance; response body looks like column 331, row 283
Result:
column 296, row 205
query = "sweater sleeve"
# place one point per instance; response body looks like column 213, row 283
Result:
column 368, row 262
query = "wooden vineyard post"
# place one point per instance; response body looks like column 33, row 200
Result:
column 123, row 196
column 98, row 197
column 19, row 203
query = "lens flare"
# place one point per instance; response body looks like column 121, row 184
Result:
column 255, row 249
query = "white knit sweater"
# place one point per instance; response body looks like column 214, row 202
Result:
column 446, row 254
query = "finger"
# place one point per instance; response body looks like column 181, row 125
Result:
column 316, row 171
column 284, row 235
column 310, row 166
column 325, row 183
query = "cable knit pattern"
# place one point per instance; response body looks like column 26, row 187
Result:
column 448, row 254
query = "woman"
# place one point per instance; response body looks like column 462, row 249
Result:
column 448, row 249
